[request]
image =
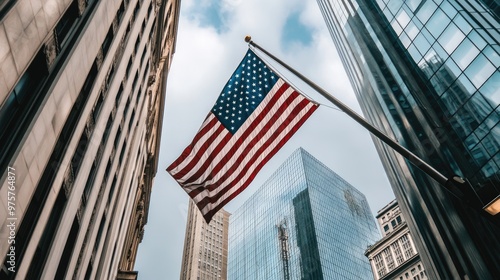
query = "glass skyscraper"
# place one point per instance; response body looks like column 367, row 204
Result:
column 426, row 72
column 305, row 222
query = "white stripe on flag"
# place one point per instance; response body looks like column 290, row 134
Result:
column 263, row 142
column 196, row 147
column 236, row 137
column 250, row 138
column 250, row 170
column 206, row 153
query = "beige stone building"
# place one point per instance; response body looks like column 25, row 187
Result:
column 82, row 92
column 205, row 246
column 394, row 257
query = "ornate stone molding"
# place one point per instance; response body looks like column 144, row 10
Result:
column 82, row 5
column 50, row 50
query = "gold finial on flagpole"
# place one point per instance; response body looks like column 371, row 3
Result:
column 248, row 38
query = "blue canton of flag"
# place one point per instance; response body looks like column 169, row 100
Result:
column 244, row 91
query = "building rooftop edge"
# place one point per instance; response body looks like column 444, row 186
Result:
column 386, row 208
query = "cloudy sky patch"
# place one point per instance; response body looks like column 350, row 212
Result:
column 209, row 47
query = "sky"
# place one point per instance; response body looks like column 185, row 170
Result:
column 210, row 45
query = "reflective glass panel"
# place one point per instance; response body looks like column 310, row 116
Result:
column 413, row 4
column 492, row 55
column 411, row 30
column 448, row 9
column 403, row 18
column 394, row 6
column 471, row 141
column 451, row 38
column 450, row 70
column 465, row 53
column 415, row 54
column 479, row 70
column 426, row 11
column 405, row 40
column 397, row 28
column 437, row 23
column 466, row 85
column 421, row 43
column 477, row 39
column 462, row 24
column 491, row 89
column 440, row 52
column 479, row 154
column 489, row 168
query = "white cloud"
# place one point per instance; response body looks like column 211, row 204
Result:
column 204, row 60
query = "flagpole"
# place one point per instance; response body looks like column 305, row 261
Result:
column 450, row 183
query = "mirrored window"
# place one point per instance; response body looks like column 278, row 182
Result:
column 451, row 38
column 413, row 4
column 492, row 55
column 403, row 18
column 437, row 23
column 415, row 54
column 394, row 6
column 412, row 30
column 463, row 24
column 397, row 28
column 477, row 39
column 426, row 11
column 422, row 44
column 448, row 9
column 480, row 70
column 491, row 89
column 465, row 53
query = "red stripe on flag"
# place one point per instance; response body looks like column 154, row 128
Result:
column 227, row 156
column 255, row 157
column 275, row 118
column 199, row 153
column 218, row 205
column 210, row 160
column 205, row 129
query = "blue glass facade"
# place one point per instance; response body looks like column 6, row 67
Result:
column 305, row 222
column 426, row 72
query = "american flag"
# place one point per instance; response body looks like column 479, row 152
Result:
column 254, row 116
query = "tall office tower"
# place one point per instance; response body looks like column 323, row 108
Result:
column 205, row 246
column 82, row 88
column 426, row 72
column 394, row 257
column 304, row 222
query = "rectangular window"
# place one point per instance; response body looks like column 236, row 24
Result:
column 90, row 182
column 107, row 41
column 388, row 259
column 379, row 265
column 397, row 251
column 97, row 106
column 136, row 78
column 21, row 99
column 66, row 24
column 62, row 268
column 407, row 248
column 120, row 12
